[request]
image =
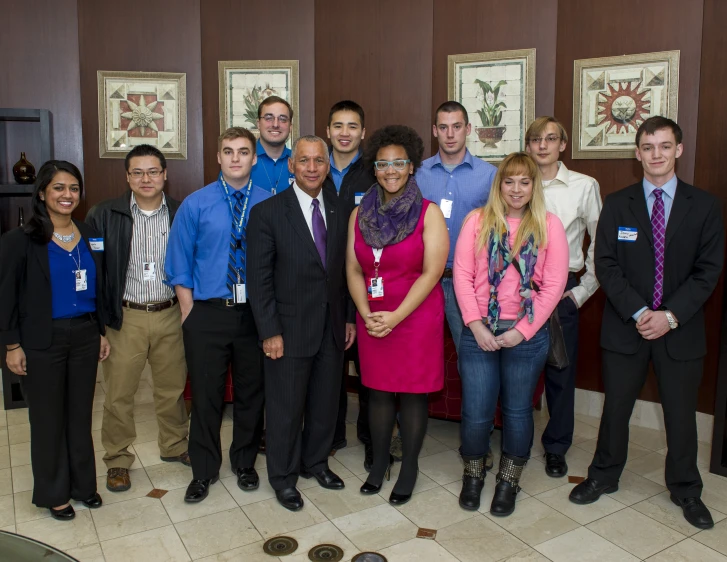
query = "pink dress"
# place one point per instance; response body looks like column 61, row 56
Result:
column 411, row 357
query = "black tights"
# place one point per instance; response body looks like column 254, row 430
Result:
column 413, row 417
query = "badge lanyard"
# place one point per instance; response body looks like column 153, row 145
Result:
column 78, row 273
column 273, row 189
column 238, row 226
column 375, row 290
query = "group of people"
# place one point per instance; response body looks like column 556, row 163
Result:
column 293, row 261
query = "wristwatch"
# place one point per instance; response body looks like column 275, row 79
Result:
column 670, row 318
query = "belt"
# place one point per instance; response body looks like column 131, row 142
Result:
column 447, row 274
column 76, row 320
column 229, row 303
column 154, row 307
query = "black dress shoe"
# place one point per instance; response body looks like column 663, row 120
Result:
column 94, row 502
column 368, row 489
column 555, row 465
column 247, row 479
column 399, row 499
column 326, row 478
column 695, row 512
column 368, row 457
column 199, row 489
column 590, row 490
column 289, row 498
column 65, row 514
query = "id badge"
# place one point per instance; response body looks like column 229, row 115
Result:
column 446, row 206
column 96, row 244
column 357, row 198
column 376, row 289
column 81, row 281
column 240, row 295
column 627, row 234
column 149, row 271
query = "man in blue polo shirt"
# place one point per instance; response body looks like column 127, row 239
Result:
column 274, row 120
column 205, row 264
column 459, row 183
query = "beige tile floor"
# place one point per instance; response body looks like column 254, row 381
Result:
column 636, row 523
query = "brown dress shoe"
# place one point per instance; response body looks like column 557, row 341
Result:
column 183, row 458
column 117, row 480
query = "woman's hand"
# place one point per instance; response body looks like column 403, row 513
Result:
column 510, row 338
column 105, row 349
column 485, row 339
column 382, row 323
column 16, row 361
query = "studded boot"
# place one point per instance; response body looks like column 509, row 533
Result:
column 473, row 481
column 508, row 478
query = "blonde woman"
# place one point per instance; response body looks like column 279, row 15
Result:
column 510, row 270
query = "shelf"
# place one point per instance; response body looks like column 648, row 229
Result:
column 16, row 190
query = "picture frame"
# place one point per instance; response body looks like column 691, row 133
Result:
column 244, row 84
column 498, row 91
column 612, row 96
column 142, row 108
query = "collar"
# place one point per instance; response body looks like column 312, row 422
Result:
column 133, row 203
column 561, row 176
column 306, row 200
column 670, row 187
column 436, row 160
column 261, row 151
column 347, row 168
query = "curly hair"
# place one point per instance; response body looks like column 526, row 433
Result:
column 399, row 135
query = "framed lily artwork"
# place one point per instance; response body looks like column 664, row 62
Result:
column 498, row 91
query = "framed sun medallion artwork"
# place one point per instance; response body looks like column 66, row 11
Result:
column 244, row 84
column 612, row 96
column 142, row 108
column 498, row 91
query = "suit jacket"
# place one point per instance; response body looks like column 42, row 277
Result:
column 290, row 291
column 26, row 308
column 358, row 179
column 694, row 252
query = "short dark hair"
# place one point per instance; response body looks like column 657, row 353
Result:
column 270, row 101
column 235, row 133
column 451, row 107
column 656, row 123
column 145, row 150
column 346, row 105
column 40, row 227
column 398, row 135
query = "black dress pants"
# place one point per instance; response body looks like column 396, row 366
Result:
column 301, row 393
column 363, row 431
column 216, row 335
column 560, row 384
column 59, row 390
column 678, row 382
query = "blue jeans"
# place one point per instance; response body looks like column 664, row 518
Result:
column 510, row 374
column 452, row 312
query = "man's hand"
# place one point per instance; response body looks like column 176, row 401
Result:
column 652, row 324
column 104, row 350
column 570, row 294
column 273, row 347
column 16, row 361
column 350, row 334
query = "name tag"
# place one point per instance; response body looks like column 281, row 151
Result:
column 96, row 244
column 627, row 234
column 357, row 198
column 446, row 206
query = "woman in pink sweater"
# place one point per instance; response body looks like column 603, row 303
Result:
column 505, row 310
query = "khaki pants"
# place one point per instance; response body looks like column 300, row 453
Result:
column 156, row 337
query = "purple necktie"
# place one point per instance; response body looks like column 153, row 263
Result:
column 658, row 229
column 320, row 235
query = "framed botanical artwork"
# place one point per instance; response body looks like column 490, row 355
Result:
column 142, row 108
column 612, row 96
column 498, row 91
column 244, row 84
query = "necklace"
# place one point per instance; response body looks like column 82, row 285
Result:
column 65, row 238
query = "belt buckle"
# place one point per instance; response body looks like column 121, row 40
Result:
column 149, row 309
column 230, row 303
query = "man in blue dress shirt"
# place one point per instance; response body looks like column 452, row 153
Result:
column 205, row 264
column 274, row 121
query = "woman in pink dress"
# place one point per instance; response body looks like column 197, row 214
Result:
column 397, row 250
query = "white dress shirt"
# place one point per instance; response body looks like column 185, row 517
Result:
column 306, row 205
column 576, row 200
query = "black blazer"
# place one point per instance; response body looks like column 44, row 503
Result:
column 26, row 308
column 358, row 179
column 692, row 265
column 288, row 287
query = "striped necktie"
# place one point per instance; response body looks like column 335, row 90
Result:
column 658, row 230
column 236, row 244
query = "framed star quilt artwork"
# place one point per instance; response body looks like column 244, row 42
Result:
column 612, row 96
column 142, row 108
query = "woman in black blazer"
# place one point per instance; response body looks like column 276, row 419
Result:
column 52, row 324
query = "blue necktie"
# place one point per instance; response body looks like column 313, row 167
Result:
column 235, row 244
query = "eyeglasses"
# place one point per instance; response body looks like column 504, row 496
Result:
column 138, row 174
column 382, row 165
column 269, row 118
column 550, row 139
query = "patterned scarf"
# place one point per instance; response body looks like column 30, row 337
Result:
column 500, row 258
column 382, row 223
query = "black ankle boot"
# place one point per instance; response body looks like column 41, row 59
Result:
column 473, row 480
column 508, row 478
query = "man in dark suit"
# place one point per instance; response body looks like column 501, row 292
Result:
column 659, row 253
column 297, row 285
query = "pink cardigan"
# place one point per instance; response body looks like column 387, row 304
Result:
column 473, row 288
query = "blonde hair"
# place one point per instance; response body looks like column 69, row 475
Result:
column 493, row 215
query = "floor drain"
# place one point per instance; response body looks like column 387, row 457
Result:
column 325, row 553
column 280, row 546
column 368, row 557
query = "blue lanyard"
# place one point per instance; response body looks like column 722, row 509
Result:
column 238, row 227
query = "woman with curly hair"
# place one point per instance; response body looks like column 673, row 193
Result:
column 397, row 250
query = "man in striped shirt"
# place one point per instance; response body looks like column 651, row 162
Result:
column 144, row 317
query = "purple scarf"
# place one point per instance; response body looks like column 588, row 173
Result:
column 384, row 224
